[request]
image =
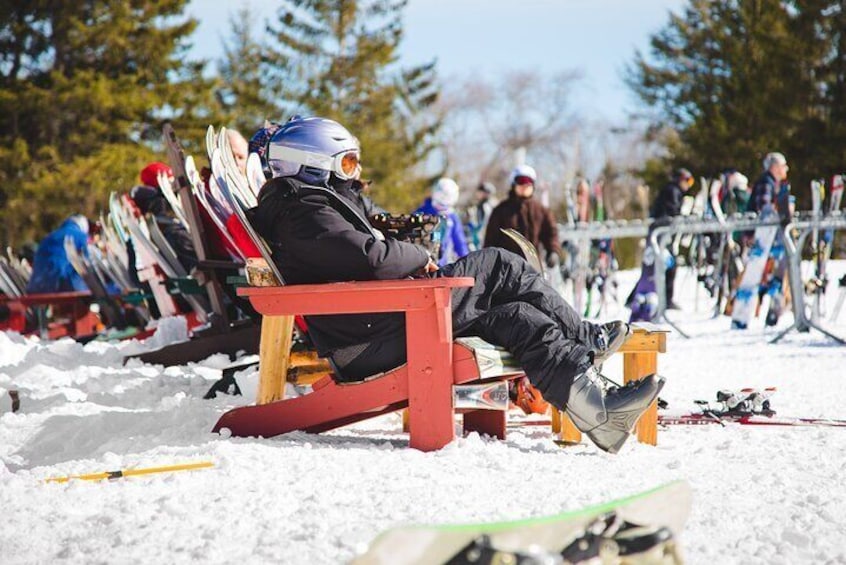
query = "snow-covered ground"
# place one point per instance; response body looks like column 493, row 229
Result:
column 761, row 494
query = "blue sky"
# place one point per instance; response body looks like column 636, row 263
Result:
column 597, row 37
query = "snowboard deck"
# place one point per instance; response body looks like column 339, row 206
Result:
column 530, row 253
column 746, row 296
column 666, row 505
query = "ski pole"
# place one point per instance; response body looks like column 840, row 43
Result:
column 111, row 475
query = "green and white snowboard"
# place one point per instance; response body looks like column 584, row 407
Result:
column 595, row 534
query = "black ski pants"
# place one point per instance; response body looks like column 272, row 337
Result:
column 513, row 307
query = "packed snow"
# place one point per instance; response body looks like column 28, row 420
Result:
column 761, row 494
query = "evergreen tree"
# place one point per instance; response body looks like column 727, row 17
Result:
column 85, row 87
column 738, row 78
column 244, row 94
column 337, row 59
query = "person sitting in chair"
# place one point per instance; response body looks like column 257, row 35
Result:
column 319, row 236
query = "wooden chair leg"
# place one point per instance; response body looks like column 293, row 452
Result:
column 637, row 366
column 488, row 422
column 430, row 374
column 275, row 356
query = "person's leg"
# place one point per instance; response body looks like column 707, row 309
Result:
column 503, row 277
column 562, row 370
column 670, row 279
column 549, row 358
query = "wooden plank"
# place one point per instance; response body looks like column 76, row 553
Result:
column 641, row 341
column 637, row 366
column 274, row 357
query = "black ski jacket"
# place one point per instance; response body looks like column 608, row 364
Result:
column 318, row 236
column 764, row 192
column 668, row 202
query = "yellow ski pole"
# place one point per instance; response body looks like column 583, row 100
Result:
column 111, row 475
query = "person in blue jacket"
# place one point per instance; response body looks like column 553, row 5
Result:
column 51, row 269
column 442, row 202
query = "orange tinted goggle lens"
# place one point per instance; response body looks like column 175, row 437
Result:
column 349, row 163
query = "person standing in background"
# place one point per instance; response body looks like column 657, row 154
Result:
column 526, row 215
column 442, row 203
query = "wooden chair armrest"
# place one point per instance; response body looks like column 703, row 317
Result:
column 51, row 298
column 350, row 297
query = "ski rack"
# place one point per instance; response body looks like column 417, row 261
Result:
column 801, row 322
column 611, row 229
column 803, row 221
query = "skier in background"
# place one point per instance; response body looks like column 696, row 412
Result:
column 51, row 269
column 240, row 149
column 442, row 203
column 667, row 205
column 765, row 190
column 527, row 215
column 319, row 236
column 150, row 200
column 479, row 213
column 765, row 195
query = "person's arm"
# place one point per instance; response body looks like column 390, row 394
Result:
column 549, row 234
column 340, row 252
column 492, row 233
column 458, row 240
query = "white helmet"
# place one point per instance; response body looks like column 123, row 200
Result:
column 523, row 171
column 445, row 193
column 737, row 180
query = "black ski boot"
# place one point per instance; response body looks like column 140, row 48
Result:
column 611, row 336
column 607, row 417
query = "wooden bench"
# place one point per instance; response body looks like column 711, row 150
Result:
column 640, row 358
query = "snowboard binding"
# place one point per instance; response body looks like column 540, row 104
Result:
column 607, row 540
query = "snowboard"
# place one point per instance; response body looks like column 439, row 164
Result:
column 576, row 536
column 530, row 253
column 745, row 298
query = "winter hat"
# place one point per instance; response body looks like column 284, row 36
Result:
column 523, row 171
column 144, row 197
column 80, row 221
column 737, row 181
column 487, row 187
column 258, row 142
column 682, row 174
column 445, row 194
column 150, row 173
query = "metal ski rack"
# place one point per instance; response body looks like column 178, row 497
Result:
column 611, row 229
column 803, row 221
column 801, row 322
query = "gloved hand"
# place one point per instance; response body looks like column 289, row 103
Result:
column 552, row 260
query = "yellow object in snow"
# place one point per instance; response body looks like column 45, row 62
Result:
column 111, row 475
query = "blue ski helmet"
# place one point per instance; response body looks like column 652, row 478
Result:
column 310, row 149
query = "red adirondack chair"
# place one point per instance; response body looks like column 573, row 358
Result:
column 424, row 384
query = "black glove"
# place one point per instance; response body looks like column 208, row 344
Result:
column 552, row 260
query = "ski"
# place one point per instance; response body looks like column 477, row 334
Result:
column 697, row 419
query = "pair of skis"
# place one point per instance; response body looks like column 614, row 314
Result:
column 749, row 407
